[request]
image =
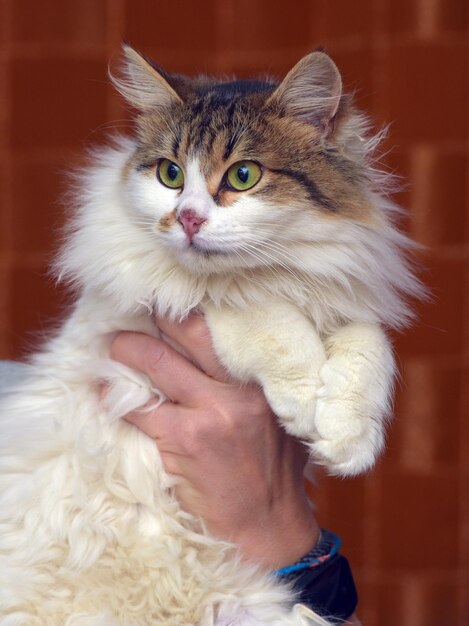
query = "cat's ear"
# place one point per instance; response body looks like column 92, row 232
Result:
column 141, row 84
column 311, row 90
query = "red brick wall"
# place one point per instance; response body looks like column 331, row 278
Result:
column 405, row 527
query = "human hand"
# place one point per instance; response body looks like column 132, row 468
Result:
column 237, row 468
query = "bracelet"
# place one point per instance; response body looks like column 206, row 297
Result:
column 323, row 580
column 327, row 546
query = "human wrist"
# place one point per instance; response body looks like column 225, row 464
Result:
column 279, row 538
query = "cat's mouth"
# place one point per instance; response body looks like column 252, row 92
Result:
column 205, row 250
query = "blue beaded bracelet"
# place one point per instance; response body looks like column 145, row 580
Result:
column 323, row 581
column 327, row 546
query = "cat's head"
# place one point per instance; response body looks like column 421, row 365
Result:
column 234, row 174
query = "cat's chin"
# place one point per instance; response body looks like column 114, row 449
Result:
column 198, row 257
column 205, row 251
column 202, row 260
column 206, row 255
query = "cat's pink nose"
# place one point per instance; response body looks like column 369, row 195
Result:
column 190, row 221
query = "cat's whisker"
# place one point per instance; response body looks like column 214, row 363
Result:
column 142, row 222
column 274, row 230
column 276, row 249
column 263, row 256
column 112, row 125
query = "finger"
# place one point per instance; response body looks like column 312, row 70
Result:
column 154, row 422
column 169, row 425
column 193, row 336
column 168, row 370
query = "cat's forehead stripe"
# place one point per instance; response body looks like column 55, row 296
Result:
column 222, row 124
column 176, row 143
column 211, row 119
column 208, row 123
column 315, row 194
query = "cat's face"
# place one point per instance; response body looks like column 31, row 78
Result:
column 240, row 174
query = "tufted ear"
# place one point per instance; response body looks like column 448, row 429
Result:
column 311, row 90
column 142, row 84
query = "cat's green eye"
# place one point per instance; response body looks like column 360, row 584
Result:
column 170, row 174
column 243, row 175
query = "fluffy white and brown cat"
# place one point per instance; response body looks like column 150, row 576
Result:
column 253, row 201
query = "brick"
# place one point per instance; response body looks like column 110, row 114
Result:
column 5, row 352
column 439, row 330
column 414, row 601
column 347, row 20
column 440, row 603
column 464, row 424
column 4, row 106
column 419, row 522
column 59, row 21
column 453, row 17
column 397, row 163
column 427, row 19
column 5, row 209
column 401, row 16
column 426, row 93
column 58, row 102
column 433, row 190
column 3, row 23
column 344, row 513
column 463, row 578
column 438, row 196
column 289, row 30
column 35, row 305
column 37, row 213
column 425, row 434
column 181, row 25
column 388, row 608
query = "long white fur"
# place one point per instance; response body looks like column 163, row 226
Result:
column 90, row 533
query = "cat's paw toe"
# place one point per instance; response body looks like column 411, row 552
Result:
column 301, row 428
column 335, row 378
column 296, row 410
column 346, row 441
column 343, row 458
column 298, row 420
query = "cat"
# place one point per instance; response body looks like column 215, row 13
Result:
column 257, row 203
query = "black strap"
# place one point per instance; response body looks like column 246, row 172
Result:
column 329, row 589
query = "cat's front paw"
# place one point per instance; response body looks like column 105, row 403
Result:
column 294, row 403
column 348, row 421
